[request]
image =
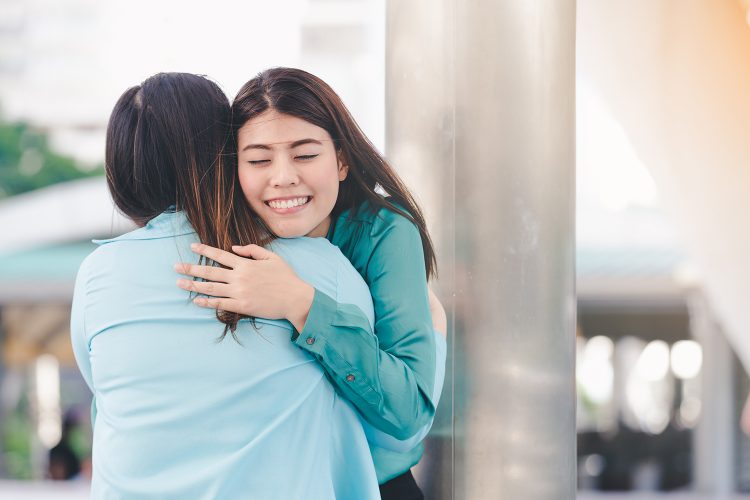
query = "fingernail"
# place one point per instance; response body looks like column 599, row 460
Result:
column 194, row 246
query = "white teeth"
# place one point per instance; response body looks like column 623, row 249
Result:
column 294, row 202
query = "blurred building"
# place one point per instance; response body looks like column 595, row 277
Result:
column 666, row 336
column 46, row 47
column 63, row 64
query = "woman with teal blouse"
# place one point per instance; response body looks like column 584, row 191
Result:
column 306, row 169
column 178, row 414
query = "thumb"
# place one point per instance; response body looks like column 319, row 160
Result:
column 253, row 251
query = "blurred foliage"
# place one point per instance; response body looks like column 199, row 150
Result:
column 28, row 163
column 17, row 435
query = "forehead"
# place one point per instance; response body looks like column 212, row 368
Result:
column 271, row 127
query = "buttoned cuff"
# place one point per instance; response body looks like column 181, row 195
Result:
column 319, row 320
column 343, row 356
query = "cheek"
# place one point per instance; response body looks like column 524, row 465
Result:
column 250, row 186
column 333, row 183
column 326, row 181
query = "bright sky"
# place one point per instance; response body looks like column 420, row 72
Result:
column 227, row 40
column 78, row 56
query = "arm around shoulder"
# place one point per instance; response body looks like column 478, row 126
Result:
column 389, row 376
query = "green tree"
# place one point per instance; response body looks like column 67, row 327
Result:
column 28, row 163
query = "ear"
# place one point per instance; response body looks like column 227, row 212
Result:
column 343, row 168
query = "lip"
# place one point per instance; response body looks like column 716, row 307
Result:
column 291, row 210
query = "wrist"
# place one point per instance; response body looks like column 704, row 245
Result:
column 300, row 304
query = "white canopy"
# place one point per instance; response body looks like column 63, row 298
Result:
column 77, row 210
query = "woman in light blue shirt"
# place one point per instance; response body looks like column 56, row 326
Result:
column 178, row 414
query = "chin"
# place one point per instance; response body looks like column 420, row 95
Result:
column 289, row 232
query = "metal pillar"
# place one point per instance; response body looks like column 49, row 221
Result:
column 480, row 118
column 714, row 438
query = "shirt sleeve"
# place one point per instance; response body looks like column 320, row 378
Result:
column 390, row 376
column 78, row 334
column 382, row 440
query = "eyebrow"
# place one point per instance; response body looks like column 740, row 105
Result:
column 292, row 145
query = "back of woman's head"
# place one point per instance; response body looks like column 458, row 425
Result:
column 303, row 95
column 164, row 137
column 167, row 143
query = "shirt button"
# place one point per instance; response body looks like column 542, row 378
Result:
column 310, row 340
column 350, row 378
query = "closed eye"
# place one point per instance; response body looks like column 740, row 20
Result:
column 258, row 162
column 305, row 157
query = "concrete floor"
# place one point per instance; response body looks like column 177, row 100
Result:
column 642, row 495
column 44, row 490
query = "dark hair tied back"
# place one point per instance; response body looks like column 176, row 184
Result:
column 167, row 142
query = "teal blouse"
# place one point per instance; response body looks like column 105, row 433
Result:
column 394, row 378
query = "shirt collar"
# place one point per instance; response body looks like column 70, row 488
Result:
column 168, row 224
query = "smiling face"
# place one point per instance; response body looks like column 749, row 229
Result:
column 289, row 172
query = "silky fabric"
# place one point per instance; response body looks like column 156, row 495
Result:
column 395, row 378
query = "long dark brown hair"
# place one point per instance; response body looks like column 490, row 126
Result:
column 168, row 148
column 300, row 94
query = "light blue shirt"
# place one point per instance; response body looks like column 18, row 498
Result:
column 180, row 415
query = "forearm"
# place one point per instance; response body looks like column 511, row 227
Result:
column 380, row 439
column 300, row 304
column 386, row 386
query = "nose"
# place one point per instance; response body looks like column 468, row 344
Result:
column 284, row 173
